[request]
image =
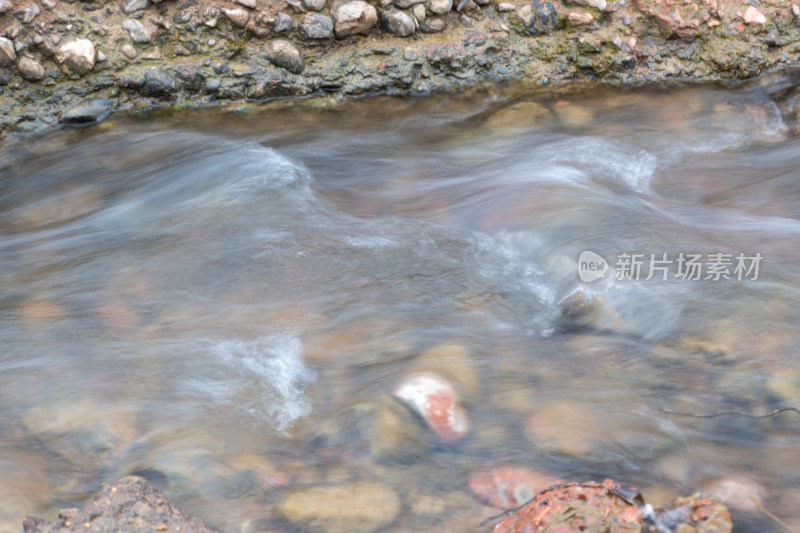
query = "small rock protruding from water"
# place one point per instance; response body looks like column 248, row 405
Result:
column 437, row 402
column 354, row 17
column 283, row 53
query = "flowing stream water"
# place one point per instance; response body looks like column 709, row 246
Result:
column 205, row 298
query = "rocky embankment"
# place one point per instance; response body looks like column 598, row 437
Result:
column 79, row 61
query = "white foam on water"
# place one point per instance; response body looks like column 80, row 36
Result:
column 273, row 366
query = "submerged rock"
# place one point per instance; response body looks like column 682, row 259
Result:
column 390, row 430
column 362, row 507
column 507, row 487
column 131, row 505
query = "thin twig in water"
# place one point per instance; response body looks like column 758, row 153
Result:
column 733, row 413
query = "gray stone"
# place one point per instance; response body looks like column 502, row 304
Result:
column 597, row 4
column 132, row 6
column 282, row 53
column 397, row 23
column 182, row 17
column 28, row 13
column 419, row 12
column 405, row 4
column 5, row 7
column 283, row 23
column 441, row 7
column 247, row 3
column 7, row 54
column 137, row 31
column 30, row 69
column 314, row 5
column 432, row 24
column 354, row 17
column 89, row 110
column 157, row 83
column 316, row 26
column 128, row 51
column 78, row 56
column 237, row 16
column 542, row 17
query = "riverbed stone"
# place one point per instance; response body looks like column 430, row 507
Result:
column 7, row 53
column 597, row 4
column 5, row 6
column 316, row 26
column 237, row 15
column 354, row 17
column 131, row 504
column 314, row 5
column 432, row 24
column 580, row 18
column 508, row 487
column 391, row 430
column 405, row 4
column 397, row 22
column 539, row 17
column 132, row 6
column 27, row 14
column 77, row 55
column 739, row 491
column 753, row 16
column 158, row 83
column 283, row 22
column 437, row 402
column 362, row 507
column 283, row 53
column 419, row 13
column 455, row 363
column 441, row 7
column 30, row 69
column 87, row 111
column 137, row 31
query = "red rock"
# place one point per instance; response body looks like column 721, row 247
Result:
column 575, row 507
column 437, row 402
column 507, row 487
column 590, row 506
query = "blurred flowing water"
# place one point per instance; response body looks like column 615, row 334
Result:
column 204, row 298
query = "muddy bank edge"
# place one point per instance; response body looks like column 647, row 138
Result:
column 80, row 61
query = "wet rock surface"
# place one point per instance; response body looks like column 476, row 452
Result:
column 74, row 51
column 132, row 505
